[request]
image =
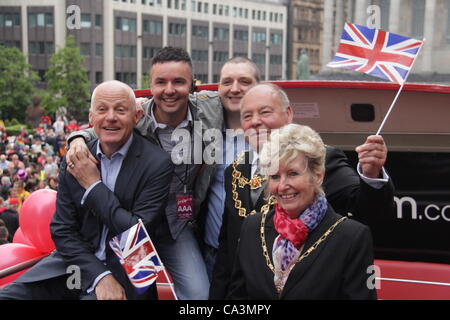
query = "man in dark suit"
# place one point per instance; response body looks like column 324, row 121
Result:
column 93, row 205
column 364, row 194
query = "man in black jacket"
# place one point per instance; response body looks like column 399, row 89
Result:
column 95, row 204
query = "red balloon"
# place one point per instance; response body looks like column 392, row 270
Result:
column 19, row 237
column 35, row 217
column 13, row 254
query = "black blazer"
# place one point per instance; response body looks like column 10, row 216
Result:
column 345, row 192
column 140, row 193
column 336, row 269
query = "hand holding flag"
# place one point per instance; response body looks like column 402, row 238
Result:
column 378, row 53
column 139, row 258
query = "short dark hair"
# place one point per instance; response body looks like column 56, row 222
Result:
column 168, row 54
column 240, row 59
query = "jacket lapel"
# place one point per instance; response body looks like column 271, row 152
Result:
column 302, row 267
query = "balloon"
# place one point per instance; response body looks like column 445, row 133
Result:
column 13, row 254
column 35, row 217
column 19, row 237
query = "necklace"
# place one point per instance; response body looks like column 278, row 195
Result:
column 238, row 180
column 280, row 274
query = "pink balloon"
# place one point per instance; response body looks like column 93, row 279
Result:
column 19, row 237
column 13, row 254
column 35, row 217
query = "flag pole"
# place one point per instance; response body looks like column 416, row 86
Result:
column 171, row 286
column 399, row 90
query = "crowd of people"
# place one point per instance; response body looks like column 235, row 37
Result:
column 29, row 162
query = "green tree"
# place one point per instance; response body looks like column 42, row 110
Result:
column 145, row 81
column 67, row 82
column 16, row 83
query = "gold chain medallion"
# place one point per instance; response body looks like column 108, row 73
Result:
column 279, row 285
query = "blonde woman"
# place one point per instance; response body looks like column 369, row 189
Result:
column 301, row 249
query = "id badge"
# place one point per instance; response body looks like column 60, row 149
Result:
column 185, row 209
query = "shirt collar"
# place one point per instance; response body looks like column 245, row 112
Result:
column 155, row 125
column 122, row 151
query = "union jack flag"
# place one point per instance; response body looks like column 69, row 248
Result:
column 376, row 52
column 138, row 256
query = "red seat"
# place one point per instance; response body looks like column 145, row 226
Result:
column 402, row 280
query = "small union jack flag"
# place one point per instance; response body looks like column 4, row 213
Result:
column 138, row 256
column 376, row 52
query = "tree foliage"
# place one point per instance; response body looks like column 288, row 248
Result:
column 16, row 83
column 67, row 82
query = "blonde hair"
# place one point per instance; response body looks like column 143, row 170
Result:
column 290, row 141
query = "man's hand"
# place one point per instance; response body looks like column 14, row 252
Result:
column 78, row 150
column 139, row 108
column 372, row 156
column 109, row 289
column 84, row 170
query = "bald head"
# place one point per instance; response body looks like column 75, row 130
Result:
column 113, row 115
column 116, row 87
column 268, row 88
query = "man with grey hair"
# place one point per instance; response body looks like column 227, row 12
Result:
column 366, row 193
column 94, row 204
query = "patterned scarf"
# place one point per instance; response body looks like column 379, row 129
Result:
column 294, row 232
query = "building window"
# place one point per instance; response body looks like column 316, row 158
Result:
column 241, row 35
column 206, row 7
column 259, row 58
column 418, row 16
column 214, row 8
column 169, row 4
column 41, row 47
column 199, row 55
column 99, row 49
column 148, row 52
column 200, row 31
column 123, row 51
column 9, row 19
column 259, row 37
column 276, row 38
column 220, row 56
column 177, row 29
column 126, row 24
column 221, row 34
column 11, row 44
column 86, row 20
column 275, row 59
column 448, row 24
column 98, row 77
column 240, row 54
column 202, row 78
column 98, row 20
column 152, row 27
column 40, row 19
column 85, row 49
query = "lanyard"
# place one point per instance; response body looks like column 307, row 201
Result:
column 184, row 181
